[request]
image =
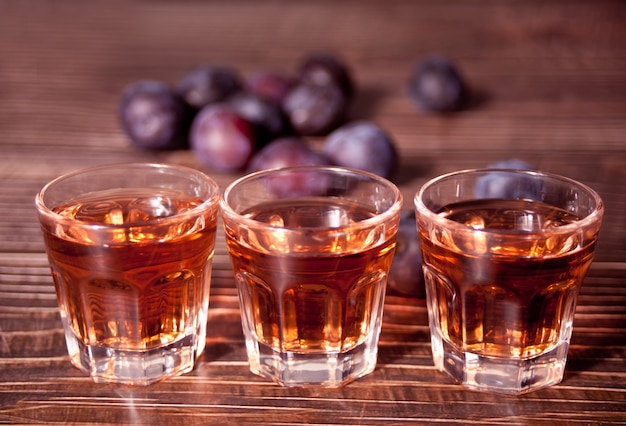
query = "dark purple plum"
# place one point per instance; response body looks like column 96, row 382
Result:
column 435, row 85
column 267, row 117
column 315, row 110
column 271, row 85
column 154, row 117
column 406, row 277
column 288, row 151
column 511, row 163
column 505, row 185
column 362, row 145
column 324, row 69
column 222, row 139
column 208, row 84
column 297, row 182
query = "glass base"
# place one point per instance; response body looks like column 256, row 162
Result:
column 512, row 376
column 133, row 367
column 293, row 369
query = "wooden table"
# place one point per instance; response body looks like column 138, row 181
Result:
column 550, row 79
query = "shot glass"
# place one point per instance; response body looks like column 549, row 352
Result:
column 311, row 249
column 504, row 255
column 130, row 247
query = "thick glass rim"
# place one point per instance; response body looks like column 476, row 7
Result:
column 212, row 199
column 381, row 217
column 584, row 222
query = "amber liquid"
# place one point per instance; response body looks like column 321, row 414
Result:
column 133, row 286
column 309, row 297
column 515, row 297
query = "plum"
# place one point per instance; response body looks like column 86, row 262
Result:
column 406, row 277
column 435, row 85
column 324, row 69
column 207, row 84
column 222, row 139
column 315, row 110
column 154, row 117
column 362, row 145
column 271, row 85
column 511, row 163
column 287, row 151
column 268, row 118
column 505, row 185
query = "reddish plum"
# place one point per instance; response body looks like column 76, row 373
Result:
column 288, row 151
column 222, row 139
column 271, row 85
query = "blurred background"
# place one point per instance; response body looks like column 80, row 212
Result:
column 548, row 79
column 535, row 66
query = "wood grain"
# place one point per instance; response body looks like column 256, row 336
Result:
column 549, row 84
